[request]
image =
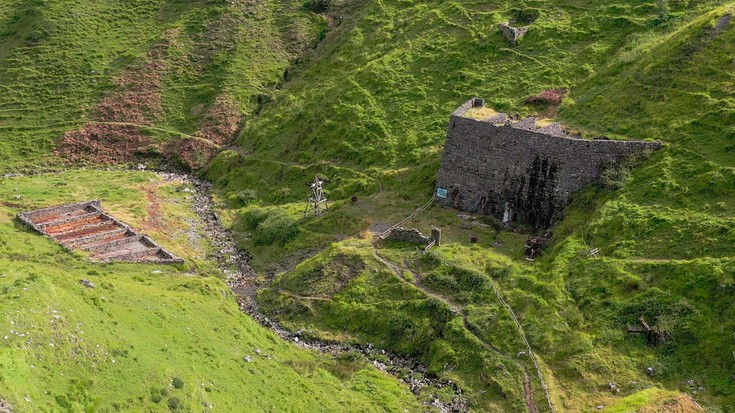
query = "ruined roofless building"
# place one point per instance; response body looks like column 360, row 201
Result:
column 519, row 171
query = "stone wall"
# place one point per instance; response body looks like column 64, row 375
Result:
column 413, row 236
column 518, row 171
column 410, row 236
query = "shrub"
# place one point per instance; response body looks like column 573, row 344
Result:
column 346, row 364
column 614, row 176
column 663, row 9
column 277, row 227
column 469, row 280
column 252, row 218
column 244, row 197
column 177, row 383
column 173, row 403
column 525, row 16
column 547, row 97
column 320, row 6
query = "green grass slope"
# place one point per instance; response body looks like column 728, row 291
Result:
column 148, row 338
column 58, row 59
column 368, row 109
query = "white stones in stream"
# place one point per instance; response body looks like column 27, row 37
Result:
column 243, row 282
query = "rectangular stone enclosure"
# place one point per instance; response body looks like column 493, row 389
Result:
column 84, row 226
column 519, row 170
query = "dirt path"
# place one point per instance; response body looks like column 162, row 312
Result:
column 399, row 271
column 303, row 297
column 157, row 128
column 155, row 217
column 529, row 394
column 455, row 308
column 244, row 154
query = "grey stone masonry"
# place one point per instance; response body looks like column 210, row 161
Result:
column 414, row 236
column 521, row 172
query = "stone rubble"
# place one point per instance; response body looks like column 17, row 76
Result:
column 85, row 282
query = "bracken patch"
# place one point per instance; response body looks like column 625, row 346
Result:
column 547, row 97
column 113, row 134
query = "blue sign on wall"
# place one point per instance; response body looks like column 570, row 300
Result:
column 441, row 192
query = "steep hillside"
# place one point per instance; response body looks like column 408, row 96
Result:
column 135, row 76
column 368, row 109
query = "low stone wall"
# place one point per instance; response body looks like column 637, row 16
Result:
column 414, row 236
column 411, row 236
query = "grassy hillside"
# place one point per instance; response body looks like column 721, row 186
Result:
column 361, row 95
column 169, row 68
column 149, row 338
column 368, row 109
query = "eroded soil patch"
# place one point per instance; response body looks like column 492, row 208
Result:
column 111, row 136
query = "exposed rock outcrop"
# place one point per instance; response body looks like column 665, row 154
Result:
column 513, row 34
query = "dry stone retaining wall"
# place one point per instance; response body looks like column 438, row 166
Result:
column 518, row 171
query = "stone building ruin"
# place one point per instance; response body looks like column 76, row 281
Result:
column 84, row 226
column 519, row 171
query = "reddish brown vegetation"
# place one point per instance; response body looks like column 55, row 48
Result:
column 220, row 127
column 222, row 122
column 552, row 97
column 190, row 153
column 114, row 133
column 137, row 102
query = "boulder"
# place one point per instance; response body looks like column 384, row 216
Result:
column 513, row 34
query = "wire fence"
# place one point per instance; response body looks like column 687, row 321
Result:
column 528, row 347
column 418, row 210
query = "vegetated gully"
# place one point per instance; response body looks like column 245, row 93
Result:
column 242, row 280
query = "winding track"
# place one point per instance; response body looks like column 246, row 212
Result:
column 460, row 310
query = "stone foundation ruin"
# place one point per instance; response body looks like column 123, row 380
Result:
column 519, row 171
column 413, row 236
column 84, row 226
